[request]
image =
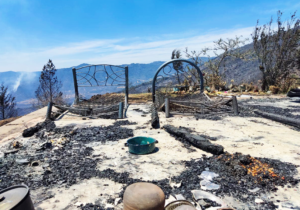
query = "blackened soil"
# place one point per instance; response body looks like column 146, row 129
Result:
column 100, row 133
column 62, row 165
column 124, row 122
column 233, row 178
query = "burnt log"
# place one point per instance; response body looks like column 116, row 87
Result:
column 196, row 140
column 279, row 118
column 47, row 124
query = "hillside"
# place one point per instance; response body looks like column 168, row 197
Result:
column 24, row 84
column 237, row 69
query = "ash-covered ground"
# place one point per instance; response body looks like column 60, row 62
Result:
column 82, row 153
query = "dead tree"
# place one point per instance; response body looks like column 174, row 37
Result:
column 7, row 104
column 217, row 59
column 276, row 48
column 49, row 88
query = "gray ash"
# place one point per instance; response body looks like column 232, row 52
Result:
column 234, row 179
column 124, row 122
column 91, row 206
column 65, row 165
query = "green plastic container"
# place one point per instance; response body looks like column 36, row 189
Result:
column 141, row 145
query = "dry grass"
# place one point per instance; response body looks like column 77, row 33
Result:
column 6, row 121
column 140, row 97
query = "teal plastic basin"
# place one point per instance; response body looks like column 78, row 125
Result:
column 141, row 145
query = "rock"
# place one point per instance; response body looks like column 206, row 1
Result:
column 22, row 161
column 117, row 201
column 259, row 201
column 208, row 175
column 207, row 185
column 255, row 190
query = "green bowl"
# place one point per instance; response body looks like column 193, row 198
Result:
column 141, row 145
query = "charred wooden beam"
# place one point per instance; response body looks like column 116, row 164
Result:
column 198, row 141
column 279, row 118
column 154, row 117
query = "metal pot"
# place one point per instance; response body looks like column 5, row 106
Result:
column 175, row 204
column 16, row 198
column 141, row 145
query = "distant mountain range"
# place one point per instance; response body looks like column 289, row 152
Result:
column 24, row 84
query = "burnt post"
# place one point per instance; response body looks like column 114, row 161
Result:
column 121, row 108
column 49, row 110
column 235, row 105
column 75, row 86
column 126, row 86
column 167, row 107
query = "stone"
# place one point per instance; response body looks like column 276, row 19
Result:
column 259, row 201
column 22, row 161
column 255, row 190
column 208, row 175
column 207, row 185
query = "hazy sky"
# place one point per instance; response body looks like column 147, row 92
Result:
column 72, row 32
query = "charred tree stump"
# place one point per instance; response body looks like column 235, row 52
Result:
column 154, row 117
column 198, row 141
column 49, row 110
column 235, row 105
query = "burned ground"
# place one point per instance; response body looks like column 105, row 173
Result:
column 74, row 159
column 65, row 164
